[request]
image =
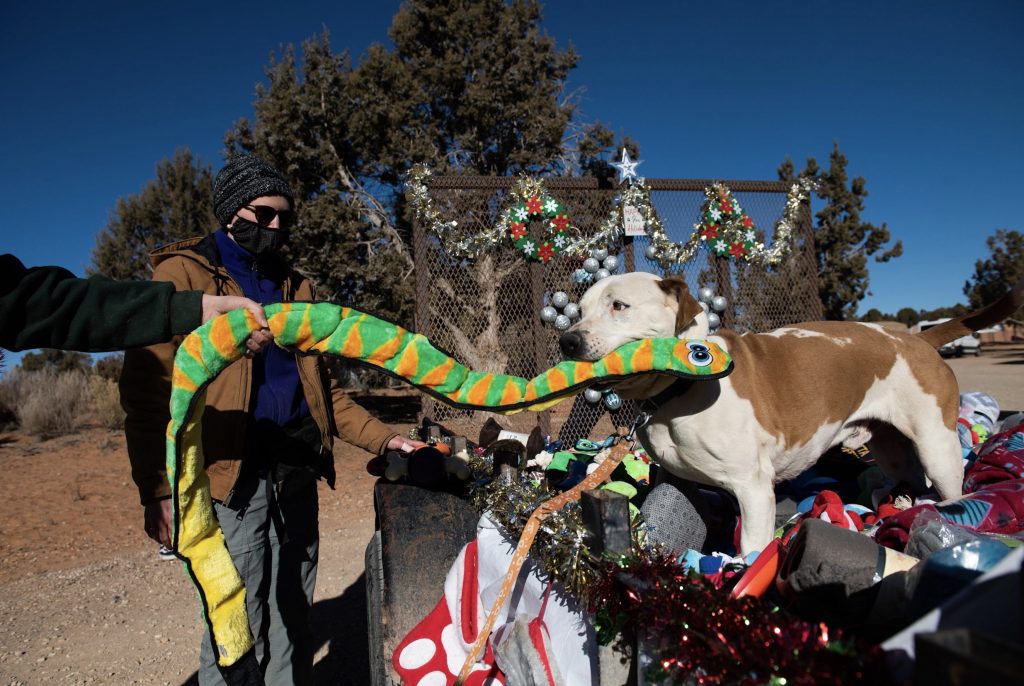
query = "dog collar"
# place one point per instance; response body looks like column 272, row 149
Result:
column 677, row 388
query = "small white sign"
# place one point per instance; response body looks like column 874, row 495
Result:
column 632, row 221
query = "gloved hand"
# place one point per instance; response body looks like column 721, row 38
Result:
column 426, row 467
column 245, row 672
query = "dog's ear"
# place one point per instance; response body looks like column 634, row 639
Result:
column 688, row 307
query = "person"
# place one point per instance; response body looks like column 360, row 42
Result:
column 268, row 426
column 49, row 307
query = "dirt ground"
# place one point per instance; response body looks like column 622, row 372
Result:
column 84, row 598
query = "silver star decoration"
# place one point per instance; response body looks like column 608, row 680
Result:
column 626, row 167
column 550, row 206
column 521, row 214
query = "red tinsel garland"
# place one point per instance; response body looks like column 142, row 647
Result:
column 698, row 634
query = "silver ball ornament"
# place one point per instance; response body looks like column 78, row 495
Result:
column 612, row 401
column 562, row 322
column 718, row 303
column 548, row 314
column 572, row 311
column 714, row 321
column 592, row 395
column 591, row 265
column 560, row 299
column 601, row 273
column 599, row 254
column 611, row 263
column 705, row 294
column 705, row 307
column 650, row 252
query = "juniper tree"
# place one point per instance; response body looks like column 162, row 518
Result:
column 58, row 361
column 843, row 243
column 177, row 204
column 998, row 272
column 466, row 86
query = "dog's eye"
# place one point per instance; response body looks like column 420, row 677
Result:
column 619, row 305
column 699, row 355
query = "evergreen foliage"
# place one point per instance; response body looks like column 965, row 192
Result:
column 109, row 367
column 57, row 361
column 177, row 204
column 993, row 277
column 843, row 243
column 470, row 87
column 1000, row 271
column 909, row 316
column 466, row 86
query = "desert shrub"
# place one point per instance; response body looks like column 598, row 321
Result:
column 10, row 395
column 51, row 403
column 106, row 402
column 57, row 360
column 109, row 367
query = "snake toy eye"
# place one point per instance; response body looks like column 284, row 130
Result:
column 699, row 355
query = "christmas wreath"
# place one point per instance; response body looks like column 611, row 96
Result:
column 540, row 207
column 727, row 229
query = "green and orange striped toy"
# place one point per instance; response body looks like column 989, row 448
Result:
column 328, row 329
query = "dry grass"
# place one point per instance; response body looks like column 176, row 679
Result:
column 106, row 403
column 47, row 404
column 52, row 404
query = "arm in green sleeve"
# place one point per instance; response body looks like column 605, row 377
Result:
column 49, row 307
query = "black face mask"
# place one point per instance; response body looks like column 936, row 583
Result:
column 257, row 239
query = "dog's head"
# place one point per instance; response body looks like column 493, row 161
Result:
column 627, row 307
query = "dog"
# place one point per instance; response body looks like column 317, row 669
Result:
column 794, row 393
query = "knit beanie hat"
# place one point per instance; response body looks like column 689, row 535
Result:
column 242, row 179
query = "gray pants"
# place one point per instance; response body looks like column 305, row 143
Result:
column 273, row 538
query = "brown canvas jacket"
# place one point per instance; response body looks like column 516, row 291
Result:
column 145, row 384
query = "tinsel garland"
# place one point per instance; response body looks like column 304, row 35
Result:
column 610, row 233
column 736, row 229
column 560, row 547
column 695, row 633
column 459, row 243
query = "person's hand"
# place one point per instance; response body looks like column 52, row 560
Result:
column 404, row 445
column 216, row 305
column 257, row 341
column 157, row 521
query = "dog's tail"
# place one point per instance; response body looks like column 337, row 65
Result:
column 979, row 319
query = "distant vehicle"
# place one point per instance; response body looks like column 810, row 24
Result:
column 958, row 348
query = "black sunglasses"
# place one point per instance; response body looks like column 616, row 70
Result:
column 265, row 214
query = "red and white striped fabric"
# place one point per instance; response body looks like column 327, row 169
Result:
column 545, row 639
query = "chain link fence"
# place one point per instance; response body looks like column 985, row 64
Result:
column 485, row 311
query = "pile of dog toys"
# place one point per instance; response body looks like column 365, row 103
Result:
column 853, row 552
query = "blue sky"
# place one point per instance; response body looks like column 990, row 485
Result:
column 926, row 99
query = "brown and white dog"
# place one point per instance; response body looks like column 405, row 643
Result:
column 794, row 393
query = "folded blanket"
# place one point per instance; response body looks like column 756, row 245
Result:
column 1000, row 458
column 995, row 509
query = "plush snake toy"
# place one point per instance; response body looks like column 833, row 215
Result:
column 327, row 329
